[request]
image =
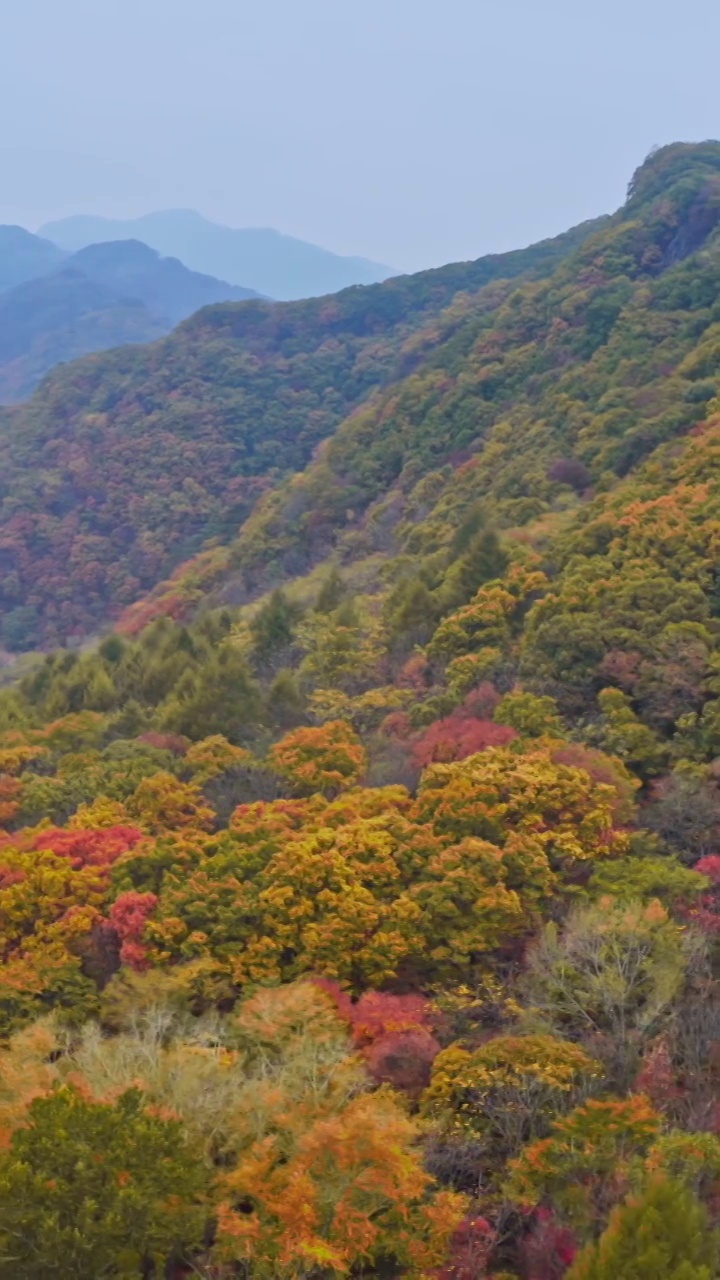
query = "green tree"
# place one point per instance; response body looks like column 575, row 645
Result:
column 273, row 630
column 483, row 561
column 413, row 612
column 624, row 735
column 93, row 1189
column 332, row 592
column 533, row 716
column 660, row 1235
column 642, row 879
column 222, row 698
column 285, row 702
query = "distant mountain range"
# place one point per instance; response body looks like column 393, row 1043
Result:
column 273, row 264
column 56, row 306
column 24, row 256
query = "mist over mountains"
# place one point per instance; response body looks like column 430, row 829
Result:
column 262, row 259
column 62, row 306
column 91, row 284
column 24, row 256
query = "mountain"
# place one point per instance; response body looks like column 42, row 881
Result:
column 134, row 270
column 104, row 296
column 60, row 317
column 272, row 264
column 24, row 256
column 330, row 406
column 372, row 859
column 612, row 356
column 122, row 464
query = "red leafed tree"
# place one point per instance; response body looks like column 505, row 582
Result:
column 705, row 915
column 658, row 1077
column 376, row 1015
column 548, row 1249
column 483, row 701
column 92, row 847
column 128, row 916
column 416, row 674
column 457, row 736
column 393, row 1033
column 395, row 1037
column 403, row 1059
column 470, row 1248
column 710, row 867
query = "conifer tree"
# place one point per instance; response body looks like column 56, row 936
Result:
column 483, row 560
column 662, row 1233
column 332, row 592
column 273, row 629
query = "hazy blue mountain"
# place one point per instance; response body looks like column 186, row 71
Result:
column 165, row 285
column 59, row 317
column 104, row 296
column 276, row 265
column 24, row 256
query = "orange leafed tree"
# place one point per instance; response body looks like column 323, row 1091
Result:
column 351, row 1190
column 328, row 759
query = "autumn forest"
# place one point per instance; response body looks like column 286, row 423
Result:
column 360, row 777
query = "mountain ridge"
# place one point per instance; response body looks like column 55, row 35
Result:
column 24, row 256
column 101, row 297
column 266, row 260
column 238, row 395
column 300, row 418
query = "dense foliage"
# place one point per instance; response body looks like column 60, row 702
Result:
column 383, row 910
column 125, row 464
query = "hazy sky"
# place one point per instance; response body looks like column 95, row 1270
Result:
column 414, row 132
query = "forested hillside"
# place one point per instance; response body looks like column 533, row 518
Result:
column 102, row 297
column 124, row 463
column 359, row 915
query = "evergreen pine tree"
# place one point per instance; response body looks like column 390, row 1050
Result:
column 483, row 560
column 663, row 1233
column 332, row 592
column 414, row 614
column 273, row 628
column 285, row 702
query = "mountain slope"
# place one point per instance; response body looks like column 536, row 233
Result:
column 450, row 384
column 430, row 829
column 60, row 317
column 530, row 508
column 272, row 264
column 104, row 296
column 123, row 463
column 24, row 256
column 165, row 285
column 593, row 364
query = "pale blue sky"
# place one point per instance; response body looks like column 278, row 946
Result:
column 414, row 132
